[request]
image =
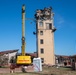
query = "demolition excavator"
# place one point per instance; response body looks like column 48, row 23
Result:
column 23, row 59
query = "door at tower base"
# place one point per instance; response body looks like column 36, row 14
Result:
column 37, row 64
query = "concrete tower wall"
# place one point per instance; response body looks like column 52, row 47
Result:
column 45, row 38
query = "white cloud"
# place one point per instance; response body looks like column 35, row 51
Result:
column 59, row 20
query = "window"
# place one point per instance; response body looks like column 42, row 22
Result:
column 41, row 41
column 48, row 25
column 41, row 32
column 42, row 60
column 41, row 50
column 41, row 24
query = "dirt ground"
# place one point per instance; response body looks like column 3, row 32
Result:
column 46, row 71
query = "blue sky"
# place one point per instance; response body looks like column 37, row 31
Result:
column 64, row 21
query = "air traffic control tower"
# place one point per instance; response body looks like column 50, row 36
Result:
column 45, row 35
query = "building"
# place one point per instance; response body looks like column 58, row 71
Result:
column 45, row 35
column 8, row 54
column 62, row 60
column 73, row 62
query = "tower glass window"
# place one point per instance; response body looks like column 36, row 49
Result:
column 41, row 24
column 41, row 32
column 42, row 59
column 41, row 41
column 41, row 50
column 48, row 25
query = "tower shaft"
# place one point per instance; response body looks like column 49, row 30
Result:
column 45, row 35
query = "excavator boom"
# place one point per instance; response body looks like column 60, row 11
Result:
column 23, row 59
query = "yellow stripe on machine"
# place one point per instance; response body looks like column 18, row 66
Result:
column 23, row 60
